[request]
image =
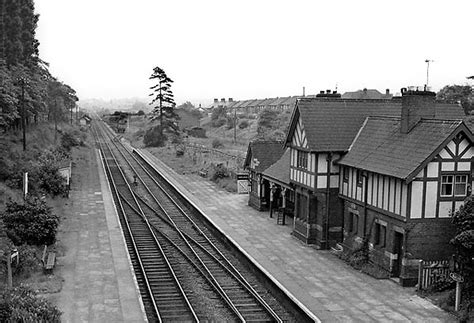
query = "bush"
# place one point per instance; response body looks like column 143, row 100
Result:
column 230, row 122
column 31, row 222
column 218, row 113
column 243, row 124
column 219, row 122
column 219, row 171
column 68, row 140
column 216, row 143
column 29, row 261
column 154, row 138
column 20, row 304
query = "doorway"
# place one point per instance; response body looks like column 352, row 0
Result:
column 398, row 250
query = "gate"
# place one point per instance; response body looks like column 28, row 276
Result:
column 430, row 272
column 242, row 183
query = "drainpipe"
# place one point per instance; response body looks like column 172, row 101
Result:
column 366, row 194
column 328, row 184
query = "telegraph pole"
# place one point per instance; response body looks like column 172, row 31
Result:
column 23, row 113
column 235, row 125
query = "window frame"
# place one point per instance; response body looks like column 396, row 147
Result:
column 302, row 159
column 380, row 235
column 456, row 180
column 465, row 183
column 345, row 174
column 359, row 178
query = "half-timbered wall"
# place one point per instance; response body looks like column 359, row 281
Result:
column 383, row 192
column 311, row 169
column 441, row 187
column 438, row 190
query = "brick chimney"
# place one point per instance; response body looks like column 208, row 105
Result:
column 231, row 100
column 223, row 100
column 216, row 100
column 416, row 105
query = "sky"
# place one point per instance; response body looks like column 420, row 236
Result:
column 249, row 49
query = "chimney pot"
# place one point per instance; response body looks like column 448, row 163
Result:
column 328, row 91
column 223, row 100
column 321, row 92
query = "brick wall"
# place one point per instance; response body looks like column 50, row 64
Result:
column 429, row 239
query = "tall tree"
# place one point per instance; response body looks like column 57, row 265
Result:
column 458, row 93
column 29, row 42
column 163, row 100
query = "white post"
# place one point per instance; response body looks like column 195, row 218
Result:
column 458, row 296
column 25, row 185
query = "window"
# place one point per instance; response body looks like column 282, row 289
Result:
column 380, row 234
column 302, row 159
column 353, row 222
column 345, row 174
column 454, row 185
column 447, row 185
column 460, row 185
column 359, row 177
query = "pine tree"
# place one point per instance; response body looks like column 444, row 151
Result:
column 29, row 23
column 163, row 97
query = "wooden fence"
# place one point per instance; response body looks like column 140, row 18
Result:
column 430, row 272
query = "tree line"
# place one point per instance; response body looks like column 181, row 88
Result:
column 28, row 91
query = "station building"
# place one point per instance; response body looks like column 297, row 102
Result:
column 261, row 154
column 385, row 172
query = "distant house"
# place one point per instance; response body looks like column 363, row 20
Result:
column 261, row 155
column 85, row 120
column 368, row 94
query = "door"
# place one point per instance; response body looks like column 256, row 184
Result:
column 398, row 250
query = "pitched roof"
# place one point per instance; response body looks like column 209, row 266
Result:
column 331, row 124
column 366, row 94
column 264, row 153
column 382, row 148
column 280, row 170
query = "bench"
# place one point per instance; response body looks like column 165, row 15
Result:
column 48, row 259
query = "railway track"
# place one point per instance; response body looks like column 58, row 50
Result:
column 169, row 243
column 162, row 294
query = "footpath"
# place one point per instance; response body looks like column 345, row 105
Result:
column 321, row 282
column 99, row 284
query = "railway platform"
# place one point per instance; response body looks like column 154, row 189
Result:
column 99, row 284
column 319, row 281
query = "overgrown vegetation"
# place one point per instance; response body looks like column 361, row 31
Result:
column 154, row 137
column 222, row 177
column 463, row 219
column 359, row 259
column 20, row 304
column 31, row 222
column 272, row 124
